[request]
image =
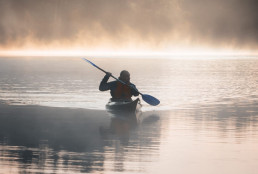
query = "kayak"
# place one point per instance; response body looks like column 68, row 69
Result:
column 124, row 106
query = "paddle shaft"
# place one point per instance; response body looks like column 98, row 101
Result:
column 113, row 76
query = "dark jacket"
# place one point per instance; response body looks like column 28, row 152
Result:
column 112, row 86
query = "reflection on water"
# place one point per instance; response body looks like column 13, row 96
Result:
column 120, row 127
column 208, row 139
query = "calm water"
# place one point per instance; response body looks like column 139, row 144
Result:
column 71, row 82
column 207, row 121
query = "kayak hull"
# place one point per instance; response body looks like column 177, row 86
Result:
column 124, row 106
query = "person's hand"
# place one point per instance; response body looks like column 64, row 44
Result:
column 108, row 74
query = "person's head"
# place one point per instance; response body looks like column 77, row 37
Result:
column 125, row 76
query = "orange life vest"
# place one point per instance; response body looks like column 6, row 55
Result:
column 122, row 91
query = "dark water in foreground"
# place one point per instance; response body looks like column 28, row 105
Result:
column 56, row 140
column 207, row 122
column 214, row 139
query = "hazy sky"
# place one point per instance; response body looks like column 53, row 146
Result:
column 128, row 24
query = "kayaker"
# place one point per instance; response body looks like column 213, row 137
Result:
column 118, row 90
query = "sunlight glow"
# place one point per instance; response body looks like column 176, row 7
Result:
column 178, row 53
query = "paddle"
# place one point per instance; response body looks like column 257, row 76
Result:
column 147, row 98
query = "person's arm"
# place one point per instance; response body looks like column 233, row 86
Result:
column 133, row 91
column 104, row 86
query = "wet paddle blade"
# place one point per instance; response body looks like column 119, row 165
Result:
column 150, row 100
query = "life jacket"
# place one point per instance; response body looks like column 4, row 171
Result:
column 122, row 91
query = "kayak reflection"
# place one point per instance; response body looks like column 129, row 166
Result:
column 120, row 126
column 123, row 125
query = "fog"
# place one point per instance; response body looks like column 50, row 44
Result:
column 152, row 24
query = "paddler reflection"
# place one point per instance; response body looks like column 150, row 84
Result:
column 120, row 127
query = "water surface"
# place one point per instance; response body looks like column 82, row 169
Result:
column 52, row 117
column 71, row 82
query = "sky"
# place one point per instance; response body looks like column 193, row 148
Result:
column 168, row 26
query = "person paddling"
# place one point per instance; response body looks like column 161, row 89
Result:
column 119, row 91
column 107, row 86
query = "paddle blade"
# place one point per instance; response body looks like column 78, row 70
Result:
column 150, row 100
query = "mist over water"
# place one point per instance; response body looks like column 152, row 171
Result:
column 207, row 119
column 159, row 25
